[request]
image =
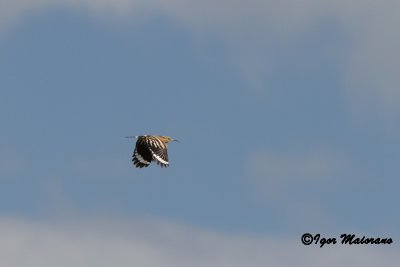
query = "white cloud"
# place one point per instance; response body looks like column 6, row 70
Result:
column 372, row 67
column 149, row 243
column 370, row 60
column 12, row 12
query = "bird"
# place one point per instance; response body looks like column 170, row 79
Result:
column 151, row 148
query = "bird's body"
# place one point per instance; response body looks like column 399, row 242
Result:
column 149, row 148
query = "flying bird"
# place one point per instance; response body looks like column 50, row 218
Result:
column 149, row 148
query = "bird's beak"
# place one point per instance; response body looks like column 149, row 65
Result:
column 130, row 136
column 175, row 140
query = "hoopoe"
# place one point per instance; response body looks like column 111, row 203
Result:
column 151, row 147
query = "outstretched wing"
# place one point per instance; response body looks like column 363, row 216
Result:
column 160, row 155
column 158, row 150
column 142, row 155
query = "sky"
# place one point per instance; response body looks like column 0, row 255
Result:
column 287, row 114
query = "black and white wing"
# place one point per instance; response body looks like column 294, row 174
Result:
column 142, row 156
column 159, row 151
column 160, row 155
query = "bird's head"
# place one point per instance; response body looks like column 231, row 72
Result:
column 167, row 139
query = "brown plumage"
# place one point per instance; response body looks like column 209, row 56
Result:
column 149, row 148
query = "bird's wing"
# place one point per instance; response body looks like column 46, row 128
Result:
column 160, row 155
column 142, row 155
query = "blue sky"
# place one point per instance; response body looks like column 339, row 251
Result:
column 287, row 116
